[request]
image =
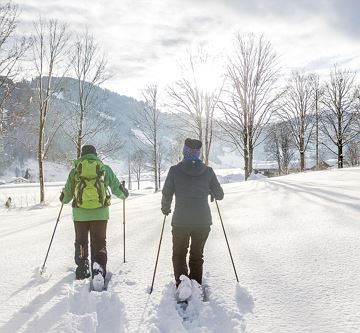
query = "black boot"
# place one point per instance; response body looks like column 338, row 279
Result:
column 82, row 262
column 82, row 271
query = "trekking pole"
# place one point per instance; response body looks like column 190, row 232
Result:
column 222, row 224
column 157, row 257
column 123, row 184
column 52, row 237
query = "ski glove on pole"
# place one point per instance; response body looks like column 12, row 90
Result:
column 166, row 211
column 124, row 190
column 61, row 198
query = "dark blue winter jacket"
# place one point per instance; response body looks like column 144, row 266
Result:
column 191, row 181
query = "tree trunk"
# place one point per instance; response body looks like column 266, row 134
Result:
column 206, row 139
column 340, row 141
column 78, row 144
column 246, row 163
column 251, row 154
column 302, row 153
column 278, row 157
column 41, row 164
column 317, row 130
column 159, row 173
column 340, row 155
column 206, row 157
column 129, row 174
column 302, row 160
column 155, row 172
column 80, row 132
column 138, row 179
column 246, row 157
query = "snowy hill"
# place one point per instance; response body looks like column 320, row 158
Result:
column 116, row 111
column 295, row 242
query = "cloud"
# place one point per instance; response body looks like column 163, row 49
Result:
column 173, row 41
column 329, row 62
column 338, row 14
column 127, row 71
column 147, row 39
column 345, row 15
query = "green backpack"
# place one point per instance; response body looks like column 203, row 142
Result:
column 90, row 191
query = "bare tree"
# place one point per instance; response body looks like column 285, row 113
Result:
column 161, row 162
column 50, row 48
column 279, row 146
column 129, row 167
column 175, row 149
column 251, row 100
column 317, row 95
column 198, row 104
column 297, row 112
column 340, row 114
column 138, row 165
column 353, row 150
column 147, row 120
column 11, row 50
column 89, row 66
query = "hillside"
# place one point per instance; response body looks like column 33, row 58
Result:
column 117, row 112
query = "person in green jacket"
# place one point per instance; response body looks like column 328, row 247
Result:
column 87, row 186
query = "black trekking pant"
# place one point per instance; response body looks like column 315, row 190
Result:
column 181, row 236
column 97, row 231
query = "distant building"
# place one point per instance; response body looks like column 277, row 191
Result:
column 18, row 180
column 266, row 168
column 322, row 166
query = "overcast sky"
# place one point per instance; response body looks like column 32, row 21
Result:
column 146, row 39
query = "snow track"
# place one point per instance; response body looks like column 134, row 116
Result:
column 68, row 306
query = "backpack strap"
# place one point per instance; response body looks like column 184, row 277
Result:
column 81, row 185
column 98, row 185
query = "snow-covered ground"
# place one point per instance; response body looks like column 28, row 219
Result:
column 295, row 242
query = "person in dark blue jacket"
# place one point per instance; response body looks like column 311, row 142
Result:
column 192, row 182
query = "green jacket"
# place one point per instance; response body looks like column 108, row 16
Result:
column 110, row 180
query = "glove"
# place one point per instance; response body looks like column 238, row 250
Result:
column 166, row 211
column 61, row 198
column 124, row 190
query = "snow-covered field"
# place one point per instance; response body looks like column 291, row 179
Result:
column 295, row 242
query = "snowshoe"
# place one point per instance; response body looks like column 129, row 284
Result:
column 98, row 279
column 184, row 289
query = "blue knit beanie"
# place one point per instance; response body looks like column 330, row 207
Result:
column 192, row 148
